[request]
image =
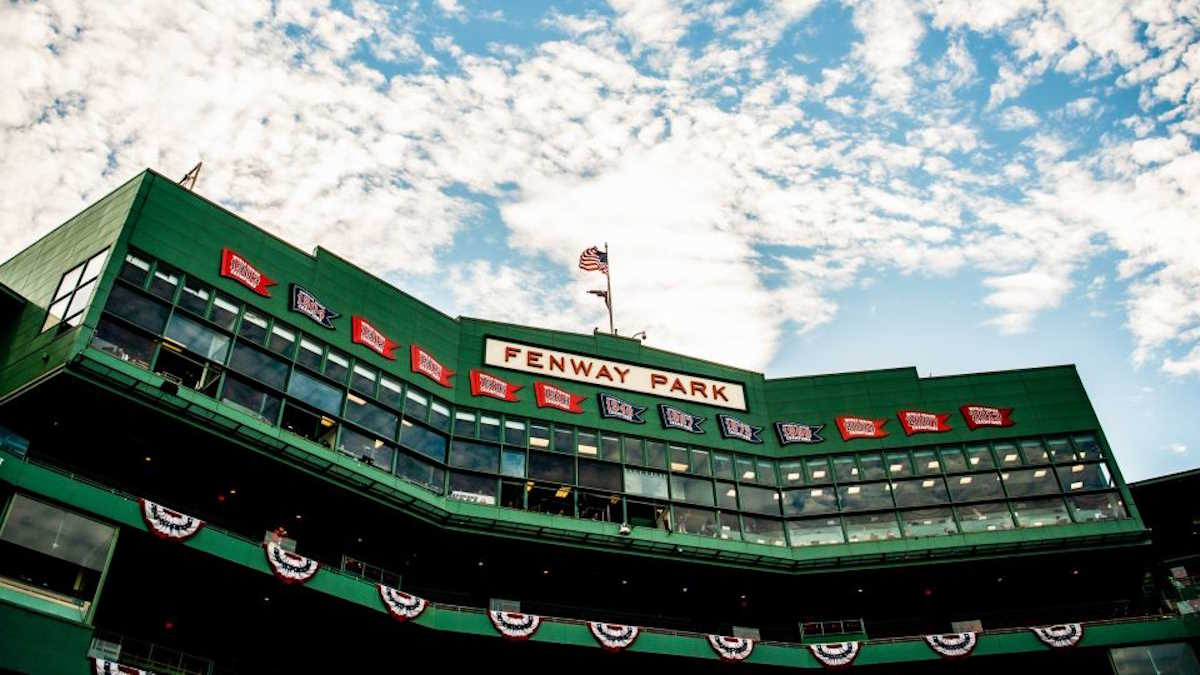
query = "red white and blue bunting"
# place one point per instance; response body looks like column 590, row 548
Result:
column 835, row 655
column 515, row 625
column 402, row 606
column 613, row 637
column 289, row 567
column 103, row 667
column 731, row 648
column 953, row 645
column 1060, row 636
column 167, row 524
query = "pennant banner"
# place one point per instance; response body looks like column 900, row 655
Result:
column 483, row 384
column 620, row 409
column 836, row 655
column 1060, row 636
column 424, row 363
column 731, row 648
column 514, row 625
column 234, row 266
column 860, row 427
column 953, row 645
column 732, row 427
column 363, row 333
column 613, row 637
column 550, row 396
column 167, row 524
column 307, row 304
column 792, row 432
column 917, row 422
column 674, row 418
column 986, row 416
column 103, row 667
column 401, row 605
column 289, row 567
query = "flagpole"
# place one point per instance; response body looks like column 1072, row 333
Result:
column 608, row 298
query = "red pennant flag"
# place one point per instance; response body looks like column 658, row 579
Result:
column 986, row 416
column 917, row 422
column 424, row 363
column 550, row 396
column 483, row 384
column 371, row 337
column 235, row 267
column 860, row 427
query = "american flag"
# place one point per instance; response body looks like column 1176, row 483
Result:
column 593, row 260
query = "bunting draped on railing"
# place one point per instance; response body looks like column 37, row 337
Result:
column 167, row 524
column 731, row 648
column 1059, row 636
column 953, row 645
column 613, row 637
column 289, row 567
column 515, row 625
column 836, row 655
column 402, row 606
column 103, row 667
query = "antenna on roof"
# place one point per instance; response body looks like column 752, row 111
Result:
column 189, row 180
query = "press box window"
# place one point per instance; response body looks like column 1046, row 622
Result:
column 439, row 416
column 588, row 444
column 416, row 406
column 464, row 423
column 391, row 393
column 195, row 297
column 489, row 428
column 539, row 436
column 337, row 366
column 282, row 341
column 514, row 433
column 74, row 292
column 363, row 380
column 224, row 312
column 135, row 270
column 254, row 328
column 425, row 441
column 164, row 282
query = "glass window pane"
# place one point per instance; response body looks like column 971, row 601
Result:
column 337, row 366
column 845, row 469
column 135, row 270
column 979, row 457
column 564, row 440
column 1099, row 506
column 818, row 470
column 791, row 473
column 975, row 487
column 928, row 523
column 759, row 500
column 727, row 496
column 464, row 423
column 391, row 392
column 253, row 328
column 646, row 483
column 816, row 532
column 514, row 433
column 695, row 521
column 94, row 265
column 56, row 313
column 283, row 342
column 722, row 466
column 194, row 297
column 763, row 531
column 1087, row 447
column 362, row 379
column 610, row 448
column 309, row 355
column 439, row 413
column 809, row 501
column 656, row 454
column 366, row 448
column 926, row 463
column 679, row 459
column 164, row 282
column 872, row 467
column 320, row 395
column 251, row 398
column 871, row 527
column 694, row 490
column 865, row 497
column 1040, row 512
column 124, row 343
column 489, row 428
column 920, row 492
column 729, row 526
column 475, row 456
column 416, row 406
column 985, row 517
column 899, row 465
column 554, row 468
column 588, row 443
column 197, row 338
column 425, row 441
column 80, row 300
column 68, row 281
column 259, row 365
column 224, row 312
column 1027, row 482
column 600, row 475
column 465, row 487
column 765, row 471
column 57, row 533
column 539, row 436
column 745, row 470
column 512, row 463
column 370, row 415
column 1061, row 451
column 1034, row 452
column 700, row 463
column 1007, row 455
column 1076, row 477
column 952, row 460
column 420, row 472
column 137, row 309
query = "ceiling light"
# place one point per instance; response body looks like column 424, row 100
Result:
column 587, row 450
column 378, row 444
column 232, row 491
column 545, row 572
column 147, row 458
column 974, row 460
column 819, row 473
column 1077, row 485
column 624, row 582
column 684, row 589
column 817, row 492
column 932, row 465
column 854, row 490
column 927, row 483
column 748, row 475
column 854, row 471
column 1077, row 468
column 675, row 466
column 895, row 468
column 794, row 475
column 326, row 422
column 481, row 563
column 563, row 491
column 1010, row 457
column 355, row 399
column 297, row 516
column 731, row 492
column 1039, row 473
column 965, row 480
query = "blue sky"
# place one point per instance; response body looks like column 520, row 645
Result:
column 794, row 186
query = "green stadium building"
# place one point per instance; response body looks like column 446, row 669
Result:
column 222, row 454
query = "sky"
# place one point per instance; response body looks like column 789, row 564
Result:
column 791, row 186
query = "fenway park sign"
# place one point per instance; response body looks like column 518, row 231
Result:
column 614, row 374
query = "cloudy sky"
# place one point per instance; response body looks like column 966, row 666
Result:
column 793, row 186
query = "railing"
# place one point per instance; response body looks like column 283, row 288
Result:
column 832, row 631
column 151, row 656
column 370, row 572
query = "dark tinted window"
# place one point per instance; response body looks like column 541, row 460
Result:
column 425, row 441
column 374, row 417
column 553, row 468
column 475, row 456
column 259, row 365
column 137, row 308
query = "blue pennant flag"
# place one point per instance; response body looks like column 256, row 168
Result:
column 674, row 418
column 618, row 408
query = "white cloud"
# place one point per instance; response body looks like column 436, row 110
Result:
column 892, row 31
column 1177, row 448
column 1016, row 117
column 1020, row 297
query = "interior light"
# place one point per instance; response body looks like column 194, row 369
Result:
column 748, row 475
column 481, row 563
column 965, row 480
column 1077, row 485
column 675, row 466
column 895, row 468
column 932, row 465
column 684, row 589
column 854, row 490
column 927, row 483
column 545, row 572
column 624, row 582
column 1077, row 468
column 817, row 492
column 1037, row 523
column 590, row 450
column 266, row 598
column 298, row 517
column 355, row 399
column 1010, row 457
column 326, row 422
column 775, row 496
column 731, row 492
column 528, row 485
column 794, row 475
column 927, row 522
column 1004, row 475
column 172, row 345
column 854, row 471
column 563, row 491
column 991, row 528
column 147, row 458
column 1039, row 473
column 819, row 473
column 974, row 460
column 232, row 491
column 378, row 444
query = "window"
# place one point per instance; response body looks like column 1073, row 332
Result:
column 553, row 468
column 337, row 366
column 253, row 328
column 818, row 471
column 45, row 548
column 1028, row 482
column 464, row 423
column 722, row 466
column 564, row 440
column 420, row 472
column 198, row 338
column 1035, row 452
column 600, row 475
column 310, row 355
column 816, row 532
column 679, row 459
column 601, row 507
column 425, row 441
column 727, row 496
column 1061, row 451
column 1040, row 512
column 728, row 526
column 865, row 497
column 466, row 487
column 763, row 531
column 1176, row 658
column 416, row 406
column 759, row 500
column 646, row 483
column 610, row 448
column 164, row 282
column 1006, row 453
column 928, row 523
column 872, row 467
column 366, row 448
column 1087, row 447
column 979, row 457
column 899, row 465
column 539, row 436
column 656, row 454
column 137, row 309
column 439, row 413
column 512, row 463
column 809, row 501
column 700, row 462
column 952, row 460
column 1099, row 506
column 765, row 472
column 224, row 312
column 489, row 428
column 926, row 463
column 512, row 494
column 587, row 444
column 474, row 456
column 259, row 365
column 251, row 398
column 744, row 466
column 695, row 521
column 552, row 499
column 985, row 517
column 369, row 415
column 1077, row 477
column 318, row 428
column 920, row 492
column 693, row 490
column 975, row 487
column 872, row 527
column 845, row 469
column 194, row 297
column 792, row 473
column 362, row 379
column 135, row 270
column 391, row 392
column 122, row 342
column 514, row 433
